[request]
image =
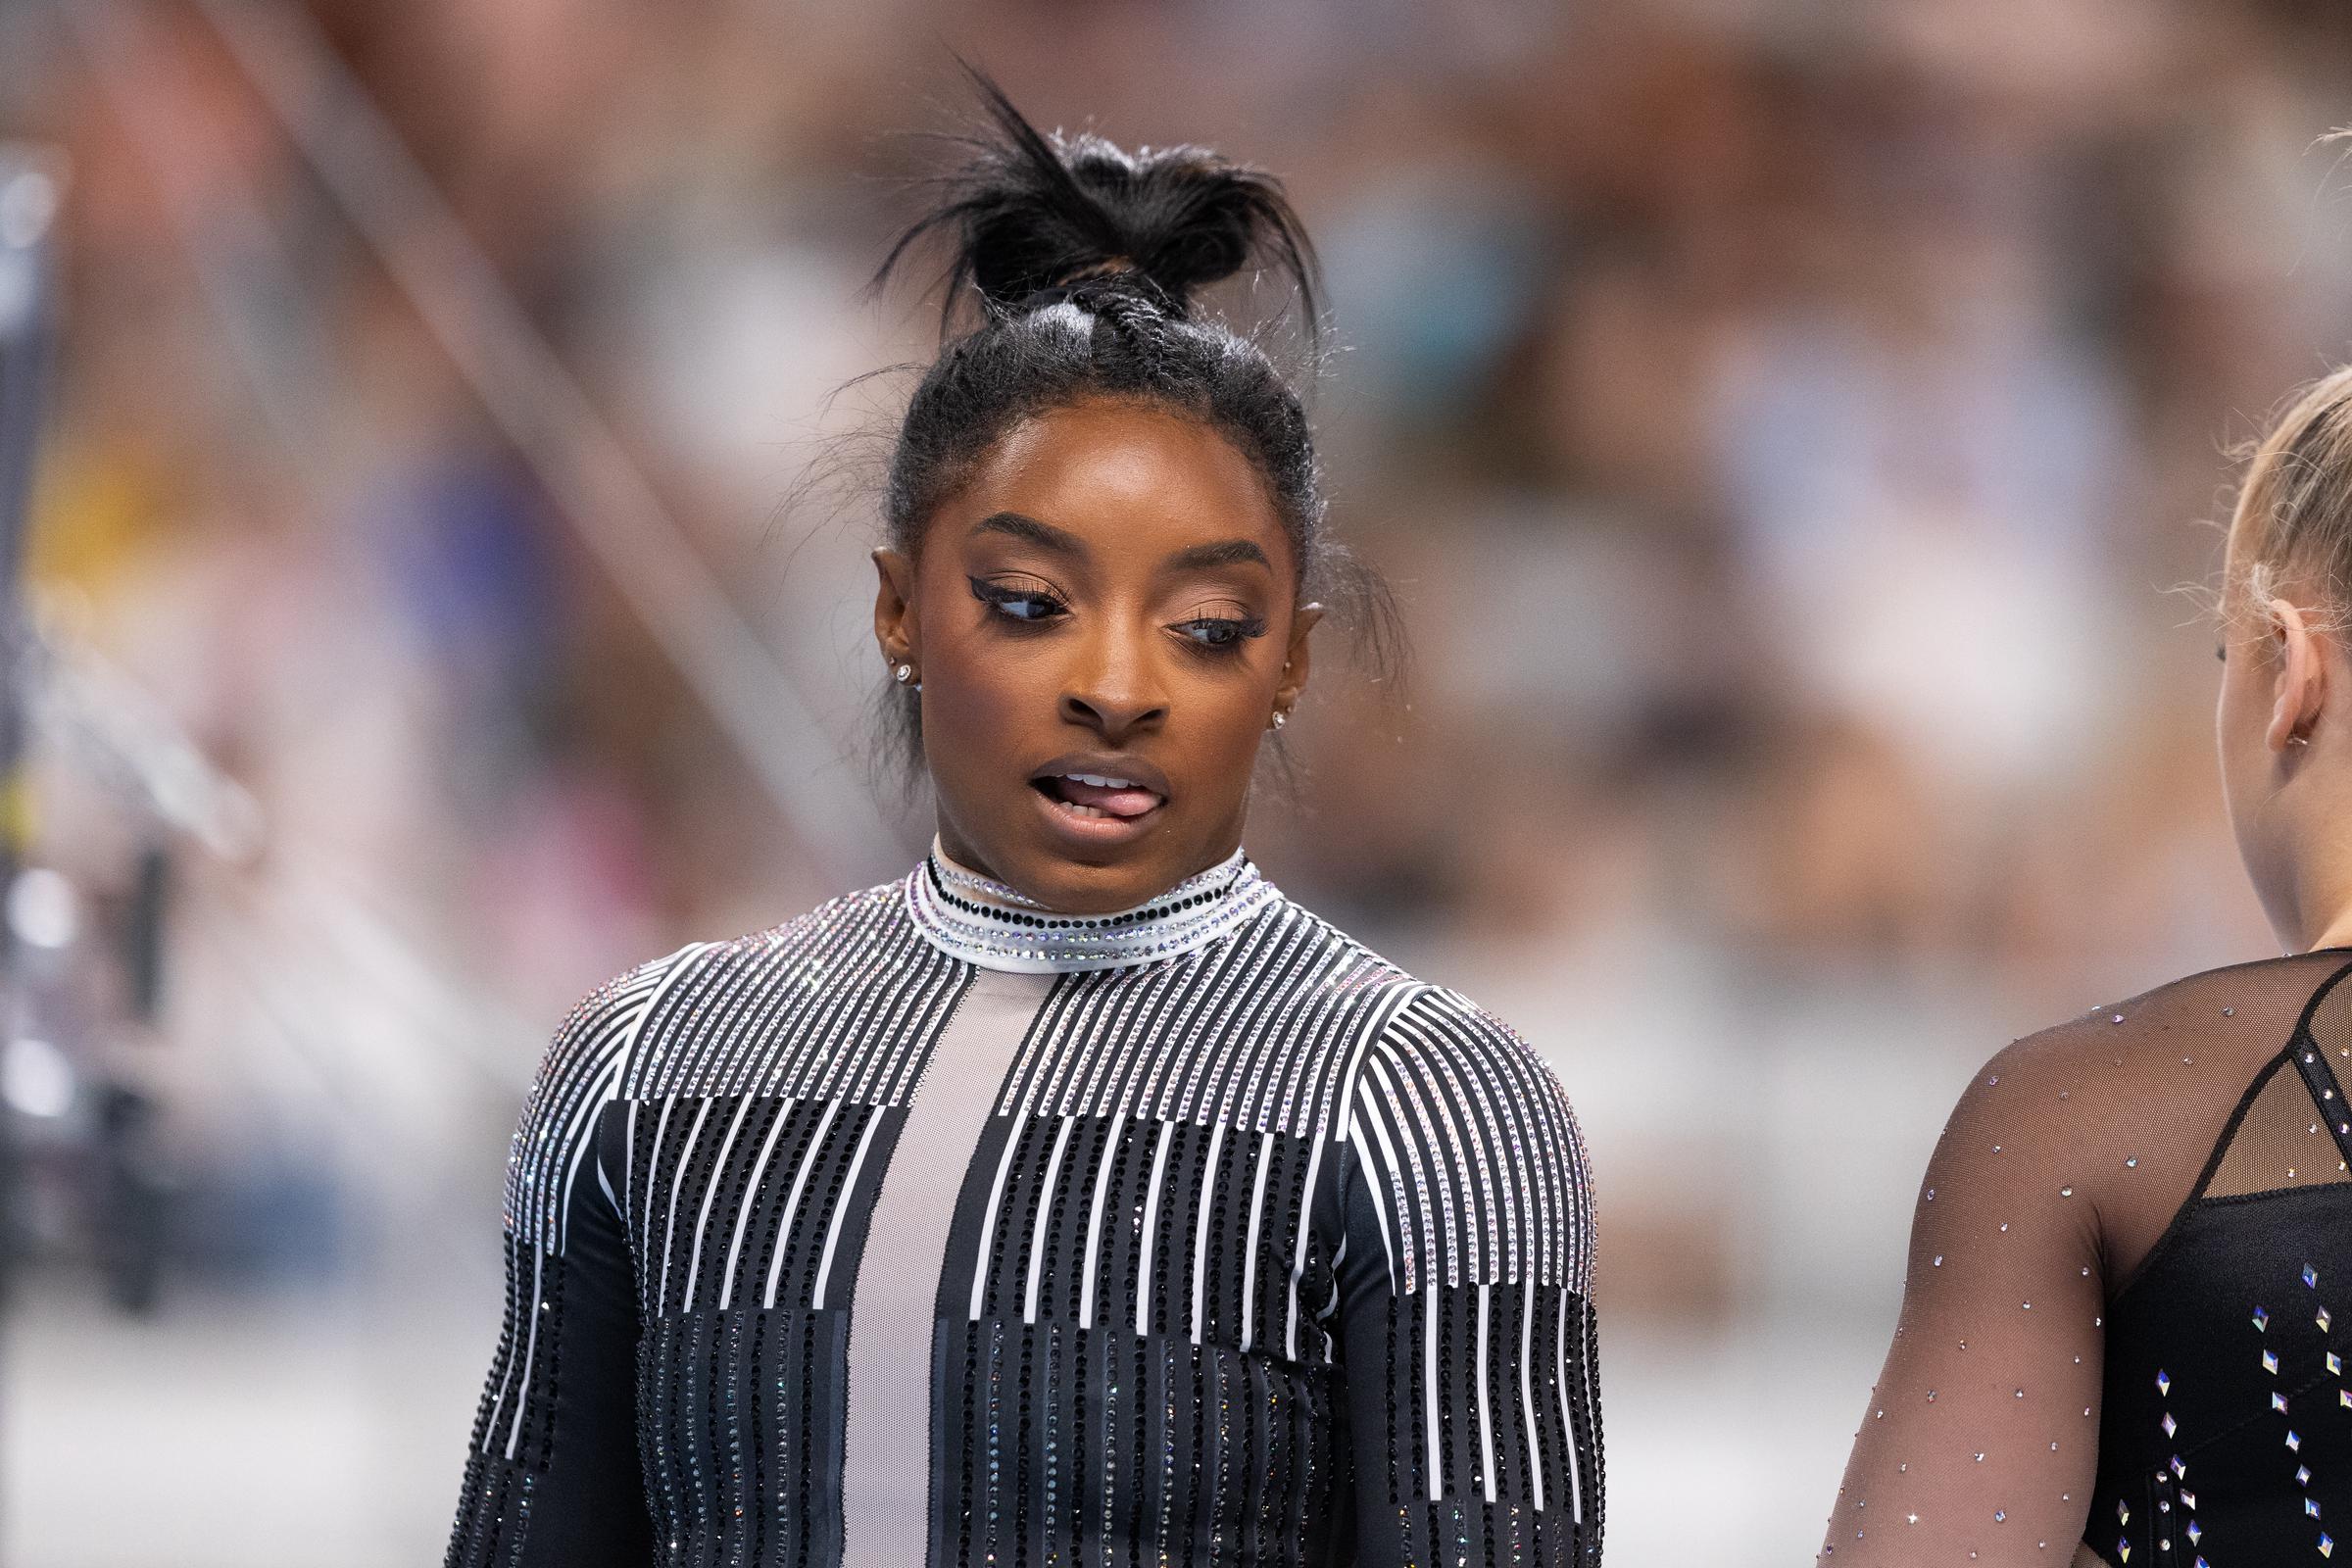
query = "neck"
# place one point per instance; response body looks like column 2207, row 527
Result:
column 2335, row 933
column 2319, row 899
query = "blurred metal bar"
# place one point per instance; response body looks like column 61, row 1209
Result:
column 541, row 406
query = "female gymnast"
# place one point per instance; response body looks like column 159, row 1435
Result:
column 2132, row 1247
column 1078, row 1197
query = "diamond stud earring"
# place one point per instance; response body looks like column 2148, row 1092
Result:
column 1279, row 720
column 903, row 674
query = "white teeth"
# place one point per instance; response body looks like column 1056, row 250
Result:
column 1102, row 783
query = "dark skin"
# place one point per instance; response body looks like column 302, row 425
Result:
column 1104, row 619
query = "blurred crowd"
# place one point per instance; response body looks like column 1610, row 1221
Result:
column 1793, row 429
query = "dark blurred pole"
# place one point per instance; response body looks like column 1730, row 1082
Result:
column 31, row 186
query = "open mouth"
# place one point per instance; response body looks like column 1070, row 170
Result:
column 1098, row 796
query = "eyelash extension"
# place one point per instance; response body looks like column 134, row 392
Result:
column 998, row 596
column 1243, row 627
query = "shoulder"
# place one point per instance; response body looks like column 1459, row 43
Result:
column 874, row 916
column 2227, row 1022
column 1445, row 1048
column 1412, row 1024
column 2123, row 1105
column 1462, row 1129
column 579, row 1071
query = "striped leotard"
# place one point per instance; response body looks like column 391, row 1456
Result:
column 934, row 1228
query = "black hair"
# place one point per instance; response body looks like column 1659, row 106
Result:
column 1075, row 273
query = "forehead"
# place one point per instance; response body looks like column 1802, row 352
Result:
column 1127, row 475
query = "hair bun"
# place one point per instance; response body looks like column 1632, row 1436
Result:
column 1033, row 214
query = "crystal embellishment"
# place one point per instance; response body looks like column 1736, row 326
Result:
column 993, row 926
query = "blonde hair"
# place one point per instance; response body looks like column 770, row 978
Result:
column 2293, row 519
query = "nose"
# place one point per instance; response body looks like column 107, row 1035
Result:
column 1113, row 691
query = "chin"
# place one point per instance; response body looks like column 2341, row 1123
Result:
column 1083, row 885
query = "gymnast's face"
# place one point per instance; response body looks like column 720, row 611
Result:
column 1104, row 622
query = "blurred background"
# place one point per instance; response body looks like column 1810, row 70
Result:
column 1792, row 426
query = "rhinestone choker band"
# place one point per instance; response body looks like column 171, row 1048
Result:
column 984, row 922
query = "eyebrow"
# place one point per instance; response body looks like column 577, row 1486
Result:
column 1224, row 553
column 1044, row 535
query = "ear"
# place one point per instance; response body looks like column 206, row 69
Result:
column 895, row 626
column 2301, row 689
column 1294, row 659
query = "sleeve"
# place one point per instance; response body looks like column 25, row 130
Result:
column 1979, row 1441
column 552, row 1475
column 1466, row 1325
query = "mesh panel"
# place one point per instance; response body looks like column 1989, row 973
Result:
column 2281, row 1143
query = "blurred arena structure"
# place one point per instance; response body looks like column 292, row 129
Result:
column 1786, row 423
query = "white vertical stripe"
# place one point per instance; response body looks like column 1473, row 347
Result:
column 1485, row 1418
column 1257, row 1209
column 670, row 1227
column 1527, row 1388
column 1045, row 1205
column 1379, row 1201
column 628, row 1168
column 988, row 1215
column 1209, row 1176
column 505, row 1382
column 718, row 1167
column 1315, row 1158
column 1576, row 1489
column 580, row 1134
column 605, row 1184
column 750, row 1200
column 1143, row 1275
column 1374, row 1027
column 792, row 1199
column 849, row 1185
column 530, row 1349
column 645, row 1238
column 1436, row 1211
column 1093, row 1218
column 1429, row 1384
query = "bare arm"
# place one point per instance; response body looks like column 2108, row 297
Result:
column 1979, row 1443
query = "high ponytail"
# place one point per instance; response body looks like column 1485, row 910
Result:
column 1077, row 271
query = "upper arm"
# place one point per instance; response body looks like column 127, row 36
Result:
column 1982, row 1428
column 1466, row 1325
column 551, row 1473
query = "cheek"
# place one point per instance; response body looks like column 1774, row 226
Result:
column 975, row 706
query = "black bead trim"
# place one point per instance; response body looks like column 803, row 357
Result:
column 1107, row 922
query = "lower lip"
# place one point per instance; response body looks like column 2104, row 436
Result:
column 1093, row 832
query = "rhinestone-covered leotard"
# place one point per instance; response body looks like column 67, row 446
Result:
column 2125, row 1326
column 935, row 1228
